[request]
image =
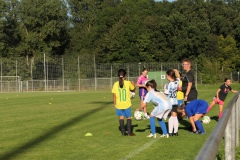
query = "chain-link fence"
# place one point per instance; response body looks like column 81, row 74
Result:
column 76, row 74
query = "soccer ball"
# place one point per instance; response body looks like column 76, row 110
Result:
column 132, row 94
column 138, row 115
column 206, row 119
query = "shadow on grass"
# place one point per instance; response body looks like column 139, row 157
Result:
column 214, row 118
column 143, row 130
column 55, row 130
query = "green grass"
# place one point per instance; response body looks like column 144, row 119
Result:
column 31, row 128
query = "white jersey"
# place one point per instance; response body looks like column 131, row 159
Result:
column 158, row 99
column 170, row 89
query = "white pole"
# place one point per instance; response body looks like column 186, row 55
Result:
column 79, row 75
column 47, row 74
column 1, row 75
column 95, row 73
column 44, row 71
column 111, row 78
column 196, row 77
column 16, row 77
column 128, row 71
column 63, row 73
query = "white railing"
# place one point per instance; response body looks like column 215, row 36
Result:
column 227, row 127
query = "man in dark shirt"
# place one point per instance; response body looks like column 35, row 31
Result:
column 188, row 82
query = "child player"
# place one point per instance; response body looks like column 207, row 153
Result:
column 194, row 110
column 142, row 89
column 180, row 94
column 170, row 89
column 161, row 110
column 122, row 101
column 221, row 95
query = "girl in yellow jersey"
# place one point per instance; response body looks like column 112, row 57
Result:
column 180, row 94
column 122, row 101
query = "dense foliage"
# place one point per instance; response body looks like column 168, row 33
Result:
column 207, row 32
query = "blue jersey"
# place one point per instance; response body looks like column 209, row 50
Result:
column 196, row 107
column 170, row 89
column 158, row 99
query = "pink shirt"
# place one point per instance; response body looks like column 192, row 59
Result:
column 142, row 90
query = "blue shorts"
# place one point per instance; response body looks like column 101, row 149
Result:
column 124, row 112
column 180, row 102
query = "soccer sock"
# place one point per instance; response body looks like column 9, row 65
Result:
column 122, row 127
column 208, row 109
column 220, row 115
column 199, row 126
column 175, row 124
column 152, row 125
column 170, row 124
column 145, row 114
column 129, row 126
column 163, row 126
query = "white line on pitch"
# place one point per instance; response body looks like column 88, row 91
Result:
column 145, row 146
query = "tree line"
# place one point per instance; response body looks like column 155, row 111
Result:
column 125, row 31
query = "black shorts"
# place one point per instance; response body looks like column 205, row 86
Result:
column 174, row 108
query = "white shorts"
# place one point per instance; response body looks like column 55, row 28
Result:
column 160, row 113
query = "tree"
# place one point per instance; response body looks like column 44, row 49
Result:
column 43, row 27
column 9, row 37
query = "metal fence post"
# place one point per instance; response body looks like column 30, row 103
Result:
column 79, row 75
column 95, row 73
column 1, row 75
column 63, row 73
column 111, row 81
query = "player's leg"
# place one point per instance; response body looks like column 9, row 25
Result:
column 220, row 111
column 144, row 108
column 211, row 105
column 127, row 114
column 152, row 126
column 175, row 120
column 163, row 126
column 198, row 123
column 121, row 121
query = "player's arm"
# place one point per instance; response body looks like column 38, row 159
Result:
column 132, row 87
column 217, row 94
column 140, row 85
column 114, row 100
column 143, row 104
column 191, row 119
column 177, row 73
column 188, row 90
column 234, row 91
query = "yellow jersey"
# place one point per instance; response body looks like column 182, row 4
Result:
column 123, row 100
column 180, row 94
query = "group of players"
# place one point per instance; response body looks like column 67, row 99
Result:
column 178, row 99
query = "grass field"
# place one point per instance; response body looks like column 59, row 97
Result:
column 52, row 125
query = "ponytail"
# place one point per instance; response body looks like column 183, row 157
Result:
column 121, row 75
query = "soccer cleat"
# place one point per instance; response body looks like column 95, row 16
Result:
column 124, row 134
column 201, row 132
column 175, row 134
column 147, row 117
column 131, row 134
column 170, row 134
column 194, row 132
column 152, row 135
column 164, row 136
